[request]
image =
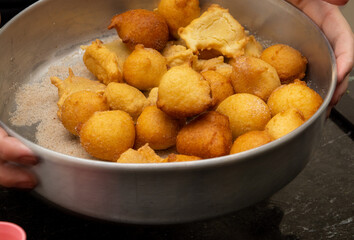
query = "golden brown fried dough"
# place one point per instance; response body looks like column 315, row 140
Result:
column 246, row 112
column 120, row 49
column 215, row 29
column 220, row 86
column 106, row 135
column 178, row 55
column 207, row 136
column 288, row 62
column 156, row 128
column 78, row 108
column 145, row 154
column 206, row 54
column 250, row 140
column 215, row 64
column 285, row 122
column 74, row 84
column 183, row 92
column 253, row 47
column 181, row 158
column 255, row 76
column 295, row 95
column 103, row 63
column 178, row 13
column 152, row 97
column 150, row 154
column 141, row 26
column 132, row 156
column 121, row 96
column 144, row 68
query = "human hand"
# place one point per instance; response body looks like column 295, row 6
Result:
column 12, row 151
column 328, row 17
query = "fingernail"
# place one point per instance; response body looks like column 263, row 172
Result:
column 25, row 148
column 28, row 160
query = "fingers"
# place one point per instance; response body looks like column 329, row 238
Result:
column 340, row 90
column 337, row 2
column 341, row 38
column 340, row 35
column 345, row 59
column 11, row 149
column 15, row 176
column 338, row 93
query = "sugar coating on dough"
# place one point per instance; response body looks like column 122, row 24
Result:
column 246, row 112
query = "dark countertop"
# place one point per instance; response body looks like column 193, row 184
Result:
column 317, row 204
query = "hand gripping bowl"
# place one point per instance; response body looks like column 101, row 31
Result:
column 168, row 192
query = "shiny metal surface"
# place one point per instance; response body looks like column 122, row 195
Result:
column 159, row 193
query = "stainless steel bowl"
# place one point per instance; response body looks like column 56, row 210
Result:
column 159, row 193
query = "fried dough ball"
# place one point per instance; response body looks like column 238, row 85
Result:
column 246, row 112
column 74, row 84
column 255, row 76
column 152, row 97
column 132, row 156
column 78, row 108
column 103, row 63
column 106, row 135
column 178, row 55
column 288, row 62
column 141, row 26
column 121, row 96
column 296, row 95
column 181, row 158
column 224, row 69
column 216, row 64
column 207, row 136
column 215, row 29
column 144, row 68
column 202, row 65
column 178, row 13
column 220, row 86
column 183, row 92
column 285, row 122
column 145, row 154
column 156, row 128
column 250, row 140
column 120, row 49
column 253, row 47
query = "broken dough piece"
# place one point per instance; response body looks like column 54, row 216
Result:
column 215, row 29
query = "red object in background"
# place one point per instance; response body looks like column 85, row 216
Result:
column 11, row 231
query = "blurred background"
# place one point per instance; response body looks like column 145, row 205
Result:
column 348, row 11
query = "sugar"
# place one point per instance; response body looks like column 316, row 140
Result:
column 37, row 103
